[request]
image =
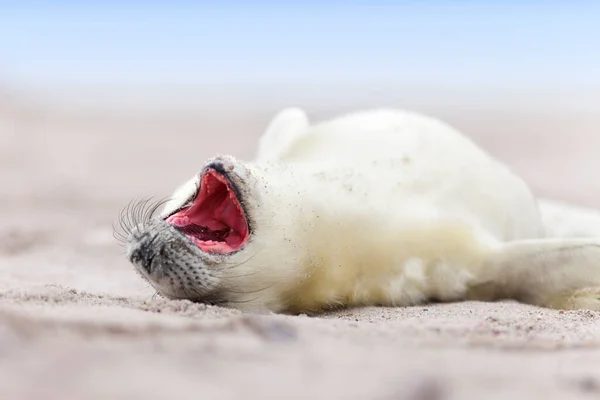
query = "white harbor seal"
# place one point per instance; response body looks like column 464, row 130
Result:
column 381, row 207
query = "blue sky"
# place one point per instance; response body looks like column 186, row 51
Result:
column 465, row 42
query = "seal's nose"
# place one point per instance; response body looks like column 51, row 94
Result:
column 141, row 252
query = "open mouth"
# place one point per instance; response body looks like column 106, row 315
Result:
column 215, row 221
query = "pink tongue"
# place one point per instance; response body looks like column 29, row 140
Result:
column 227, row 212
column 213, row 224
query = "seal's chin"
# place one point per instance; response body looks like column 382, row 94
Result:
column 215, row 221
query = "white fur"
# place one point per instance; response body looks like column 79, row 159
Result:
column 390, row 207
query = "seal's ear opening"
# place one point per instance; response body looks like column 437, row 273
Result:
column 215, row 221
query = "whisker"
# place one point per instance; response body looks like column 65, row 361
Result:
column 118, row 235
column 136, row 212
column 128, row 221
column 202, row 285
column 250, row 291
column 200, row 297
column 240, row 301
column 234, row 265
column 121, row 231
column 123, row 222
column 237, row 276
column 145, row 217
column 148, row 205
column 152, row 210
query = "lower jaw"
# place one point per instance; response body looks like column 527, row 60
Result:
column 215, row 247
column 211, row 246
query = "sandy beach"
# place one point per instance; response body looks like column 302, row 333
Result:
column 76, row 322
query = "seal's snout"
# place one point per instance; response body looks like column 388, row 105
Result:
column 184, row 251
column 174, row 265
column 141, row 251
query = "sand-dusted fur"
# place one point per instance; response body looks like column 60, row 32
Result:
column 381, row 207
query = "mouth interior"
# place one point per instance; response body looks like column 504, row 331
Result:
column 215, row 221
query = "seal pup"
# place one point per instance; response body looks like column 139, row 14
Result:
column 380, row 207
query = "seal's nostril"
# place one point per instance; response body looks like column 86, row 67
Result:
column 150, row 267
column 143, row 257
column 142, row 252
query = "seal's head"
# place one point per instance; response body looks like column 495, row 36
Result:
column 222, row 238
column 186, row 251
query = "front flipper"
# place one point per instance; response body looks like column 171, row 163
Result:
column 288, row 124
column 555, row 273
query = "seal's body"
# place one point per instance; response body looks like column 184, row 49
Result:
column 382, row 207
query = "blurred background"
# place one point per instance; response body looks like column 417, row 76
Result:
column 104, row 101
